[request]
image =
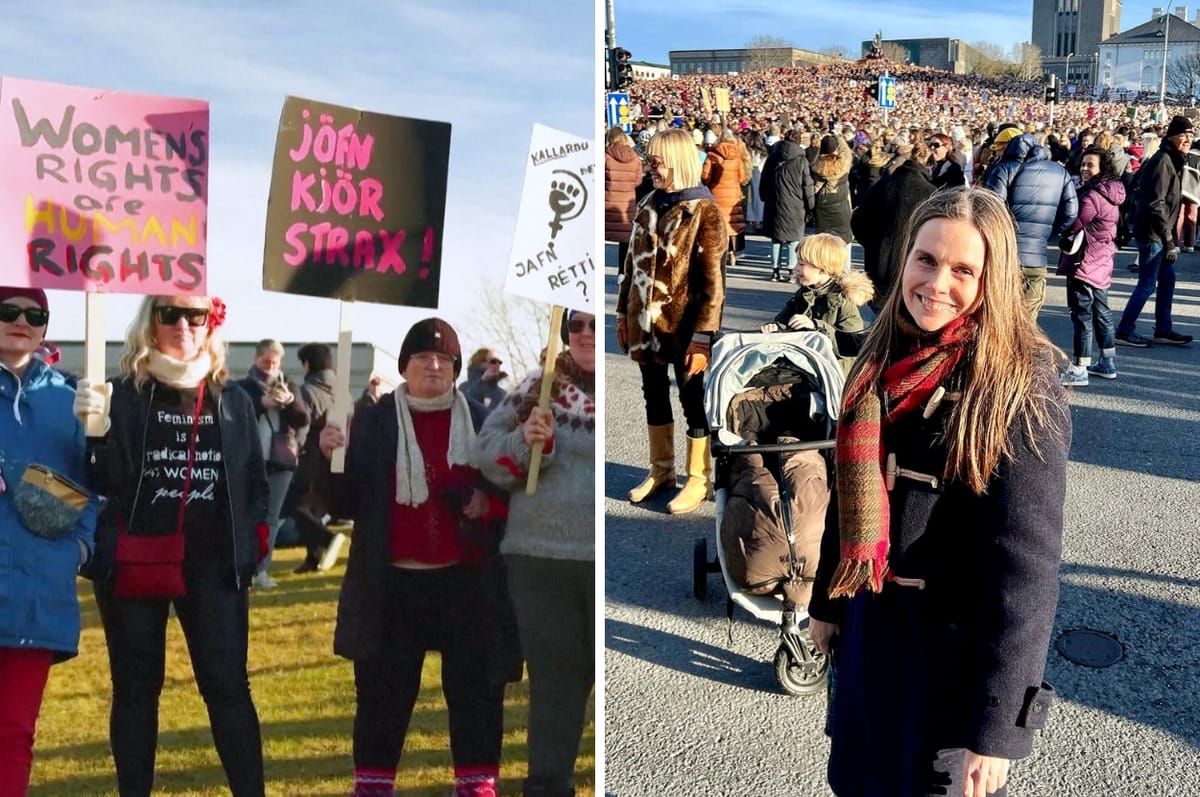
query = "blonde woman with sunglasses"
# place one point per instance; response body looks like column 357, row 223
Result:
column 186, row 527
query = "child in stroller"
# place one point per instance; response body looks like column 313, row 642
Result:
column 772, row 400
column 828, row 294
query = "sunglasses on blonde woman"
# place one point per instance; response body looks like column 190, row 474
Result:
column 169, row 316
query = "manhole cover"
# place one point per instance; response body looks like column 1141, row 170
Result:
column 1090, row 648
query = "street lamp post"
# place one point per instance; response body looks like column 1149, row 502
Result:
column 1162, row 86
column 1067, row 78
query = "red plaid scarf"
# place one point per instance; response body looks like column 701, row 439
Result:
column 863, row 509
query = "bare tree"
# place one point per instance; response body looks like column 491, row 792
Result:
column 768, row 52
column 835, row 51
column 514, row 326
column 894, row 53
column 1183, row 74
column 1027, row 60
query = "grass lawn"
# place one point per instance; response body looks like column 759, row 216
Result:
column 305, row 700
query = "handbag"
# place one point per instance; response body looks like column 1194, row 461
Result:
column 1072, row 243
column 284, row 451
column 151, row 565
column 48, row 503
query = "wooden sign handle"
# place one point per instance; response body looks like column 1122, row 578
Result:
column 342, row 403
column 535, row 457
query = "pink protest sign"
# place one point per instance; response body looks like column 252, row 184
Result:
column 102, row 191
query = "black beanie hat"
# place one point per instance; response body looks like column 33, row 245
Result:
column 829, row 144
column 431, row 334
column 1179, row 124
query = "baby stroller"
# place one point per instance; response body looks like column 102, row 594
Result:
column 772, row 401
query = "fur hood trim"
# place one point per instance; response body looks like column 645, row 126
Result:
column 857, row 287
column 835, row 167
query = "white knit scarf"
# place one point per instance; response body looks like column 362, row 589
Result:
column 179, row 374
column 411, row 486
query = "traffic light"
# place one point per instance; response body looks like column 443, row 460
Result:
column 624, row 68
column 1051, row 92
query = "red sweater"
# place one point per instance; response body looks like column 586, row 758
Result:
column 429, row 533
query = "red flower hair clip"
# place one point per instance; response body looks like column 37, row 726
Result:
column 216, row 313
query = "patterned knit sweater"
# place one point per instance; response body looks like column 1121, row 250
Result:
column 559, row 520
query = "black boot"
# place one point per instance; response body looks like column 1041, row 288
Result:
column 532, row 787
column 775, row 275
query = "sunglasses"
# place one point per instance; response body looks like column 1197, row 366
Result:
column 577, row 325
column 494, row 361
column 935, row 145
column 169, row 315
column 654, row 163
column 36, row 316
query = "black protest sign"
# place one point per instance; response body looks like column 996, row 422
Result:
column 357, row 205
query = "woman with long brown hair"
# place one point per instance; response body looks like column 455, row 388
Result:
column 938, row 579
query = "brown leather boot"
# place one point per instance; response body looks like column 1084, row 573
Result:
column 662, row 463
column 697, row 487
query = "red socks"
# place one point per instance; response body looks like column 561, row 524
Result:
column 477, row 781
column 374, row 783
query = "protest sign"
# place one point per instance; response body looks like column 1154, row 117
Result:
column 357, row 205
column 103, row 191
column 721, row 97
column 554, row 244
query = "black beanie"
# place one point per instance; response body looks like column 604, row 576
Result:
column 1179, row 124
column 829, row 145
column 431, row 334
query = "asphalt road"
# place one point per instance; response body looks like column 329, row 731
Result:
column 688, row 710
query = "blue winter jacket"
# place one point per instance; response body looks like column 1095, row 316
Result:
column 38, row 607
column 1039, row 193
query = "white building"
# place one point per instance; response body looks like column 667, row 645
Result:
column 1133, row 60
column 644, row 70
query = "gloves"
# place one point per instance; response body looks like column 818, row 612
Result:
column 801, row 322
column 769, row 327
column 91, row 401
column 622, row 334
column 263, row 532
column 696, row 358
column 1171, row 255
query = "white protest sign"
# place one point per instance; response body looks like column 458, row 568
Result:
column 553, row 250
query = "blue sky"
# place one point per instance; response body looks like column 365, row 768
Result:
column 650, row 28
column 488, row 70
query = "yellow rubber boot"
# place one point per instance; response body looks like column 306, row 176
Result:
column 697, row 487
column 662, row 463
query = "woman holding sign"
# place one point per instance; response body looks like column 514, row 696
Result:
column 422, row 573
column 183, row 470
column 549, row 547
column 672, row 291
column 41, row 547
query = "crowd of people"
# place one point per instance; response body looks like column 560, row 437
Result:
column 175, row 502
column 954, row 428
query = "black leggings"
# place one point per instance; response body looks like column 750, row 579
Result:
column 428, row 610
column 215, row 619
column 656, row 390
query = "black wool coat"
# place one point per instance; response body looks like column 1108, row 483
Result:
column 786, row 189
column 879, row 222
column 960, row 662
column 366, row 493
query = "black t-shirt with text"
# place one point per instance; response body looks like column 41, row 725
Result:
column 206, row 520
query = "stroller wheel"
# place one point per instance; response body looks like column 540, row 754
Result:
column 803, row 675
column 700, row 569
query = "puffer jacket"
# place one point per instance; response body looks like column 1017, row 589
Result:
column 622, row 175
column 1099, row 209
column 673, row 284
column 787, row 193
column 831, row 175
column 38, row 607
column 725, row 173
column 1039, row 193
